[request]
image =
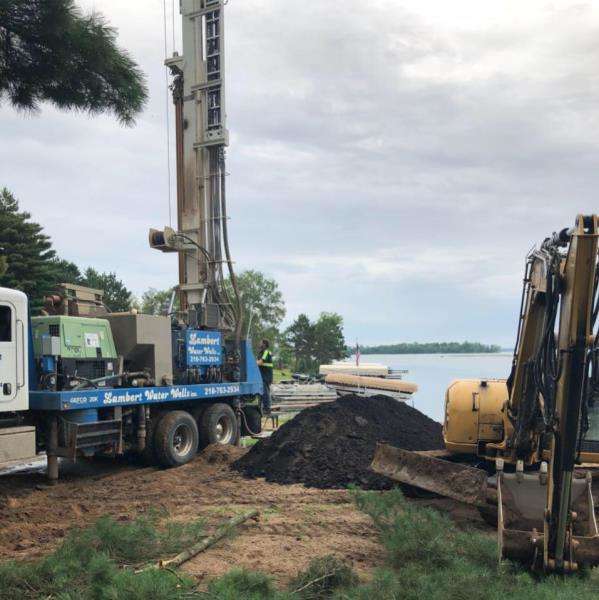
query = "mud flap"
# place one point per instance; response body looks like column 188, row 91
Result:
column 452, row 480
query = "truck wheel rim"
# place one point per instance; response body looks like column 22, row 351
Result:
column 224, row 431
column 182, row 440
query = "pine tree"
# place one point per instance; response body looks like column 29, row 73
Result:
column 316, row 343
column 67, row 272
column 50, row 51
column 329, row 342
column 25, row 251
column 300, row 337
column 116, row 296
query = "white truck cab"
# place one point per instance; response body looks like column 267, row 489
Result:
column 14, row 343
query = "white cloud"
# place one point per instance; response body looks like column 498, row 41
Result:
column 393, row 160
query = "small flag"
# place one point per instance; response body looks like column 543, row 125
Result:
column 357, row 354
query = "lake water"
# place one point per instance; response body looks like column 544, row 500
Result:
column 434, row 372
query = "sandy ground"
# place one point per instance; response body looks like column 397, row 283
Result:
column 296, row 523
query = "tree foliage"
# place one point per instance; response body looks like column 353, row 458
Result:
column 263, row 307
column 28, row 262
column 67, row 272
column 431, row 348
column 316, row 343
column 26, row 252
column 299, row 336
column 50, row 51
column 156, row 302
column 329, row 343
column 116, row 296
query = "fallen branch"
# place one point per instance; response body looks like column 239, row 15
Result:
column 315, row 581
column 221, row 532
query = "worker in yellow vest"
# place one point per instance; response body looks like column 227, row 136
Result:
column 266, row 365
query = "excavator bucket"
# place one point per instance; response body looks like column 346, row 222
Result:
column 521, row 509
column 520, row 499
column 452, row 480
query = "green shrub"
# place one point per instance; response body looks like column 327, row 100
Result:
column 322, row 578
column 413, row 534
column 429, row 557
column 88, row 564
column 241, row 584
column 136, row 541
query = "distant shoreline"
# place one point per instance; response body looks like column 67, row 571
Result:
column 432, row 348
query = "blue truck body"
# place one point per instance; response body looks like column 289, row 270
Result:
column 112, row 397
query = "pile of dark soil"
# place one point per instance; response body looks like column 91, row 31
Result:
column 332, row 445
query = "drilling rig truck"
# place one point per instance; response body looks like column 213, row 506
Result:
column 79, row 380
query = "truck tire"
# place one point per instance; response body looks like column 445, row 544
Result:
column 176, row 438
column 149, row 456
column 197, row 413
column 218, row 426
column 253, row 421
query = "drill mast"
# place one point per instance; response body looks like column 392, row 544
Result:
column 201, row 138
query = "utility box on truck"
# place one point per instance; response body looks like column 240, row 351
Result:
column 144, row 342
column 68, row 349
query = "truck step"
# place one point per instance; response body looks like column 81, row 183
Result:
column 105, row 436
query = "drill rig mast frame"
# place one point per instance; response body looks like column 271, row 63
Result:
column 201, row 238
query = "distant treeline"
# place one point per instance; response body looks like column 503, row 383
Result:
column 431, row 348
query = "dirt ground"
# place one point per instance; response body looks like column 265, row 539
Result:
column 296, row 523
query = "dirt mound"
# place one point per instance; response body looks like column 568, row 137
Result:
column 218, row 454
column 332, row 445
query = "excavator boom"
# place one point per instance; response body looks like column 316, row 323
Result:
column 545, row 508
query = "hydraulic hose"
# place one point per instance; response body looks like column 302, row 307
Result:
column 234, row 283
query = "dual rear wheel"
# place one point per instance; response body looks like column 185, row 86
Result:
column 175, row 436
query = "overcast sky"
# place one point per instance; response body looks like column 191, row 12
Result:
column 390, row 160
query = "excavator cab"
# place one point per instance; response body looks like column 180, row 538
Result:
column 535, row 432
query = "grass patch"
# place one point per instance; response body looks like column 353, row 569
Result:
column 89, row 563
column 279, row 375
column 248, row 442
column 324, row 578
column 241, row 584
column 98, row 563
column 429, row 557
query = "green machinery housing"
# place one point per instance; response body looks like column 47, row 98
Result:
column 70, row 350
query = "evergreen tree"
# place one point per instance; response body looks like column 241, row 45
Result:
column 67, row 272
column 329, row 343
column 50, row 51
column 116, row 296
column 316, row 343
column 299, row 336
column 26, row 252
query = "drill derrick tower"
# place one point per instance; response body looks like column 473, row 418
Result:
column 201, row 237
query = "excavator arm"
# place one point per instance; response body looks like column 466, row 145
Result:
column 545, row 417
column 566, row 428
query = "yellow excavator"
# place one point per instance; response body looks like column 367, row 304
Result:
column 521, row 445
